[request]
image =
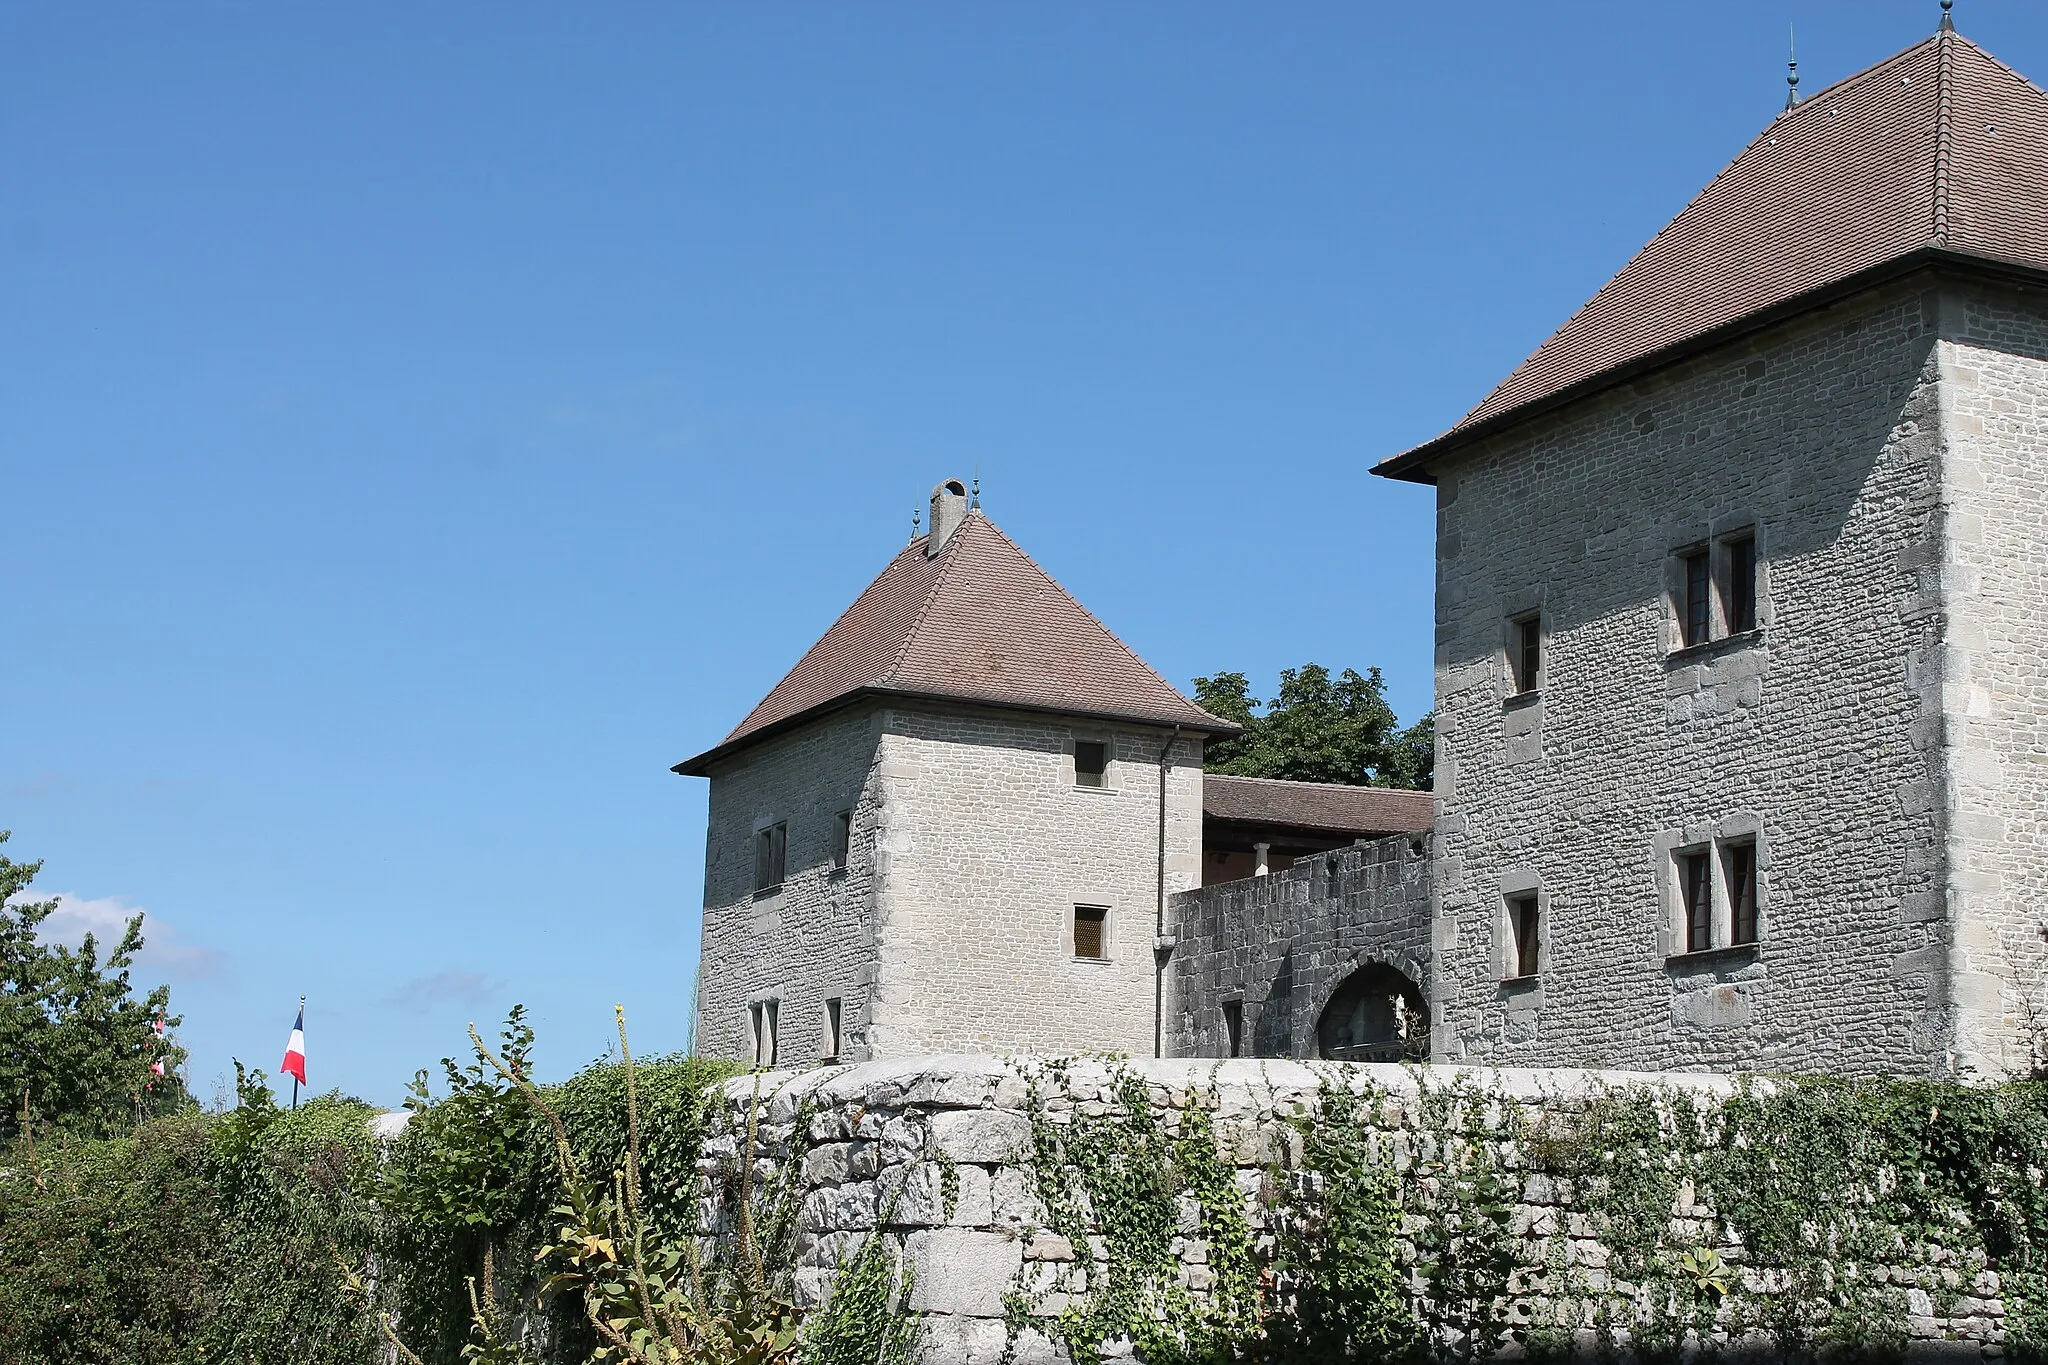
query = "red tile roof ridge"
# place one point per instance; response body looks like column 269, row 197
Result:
column 1771, row 235
column 1944, row 103
column 1223, row 725
column 1798, row 112
column 915, row 631
column 947, row 556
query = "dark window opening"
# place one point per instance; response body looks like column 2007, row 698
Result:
column 1523, row 922
column 1525, row 653
column 1233, row 1027
column 832, row 1029
column 1696, row 890
column 1739, row 610
column 771, row 849
column 1089, row 921
column 1741, row 892
column 1697, row 607
column 842, row 838
column 1091, row 763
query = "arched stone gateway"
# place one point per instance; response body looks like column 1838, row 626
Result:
column 1376, row 1015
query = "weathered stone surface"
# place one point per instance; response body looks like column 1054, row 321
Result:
column 963, row 1271
column 993, row 1136
column 993, row 1242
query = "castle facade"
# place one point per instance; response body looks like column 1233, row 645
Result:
column 1742, row 705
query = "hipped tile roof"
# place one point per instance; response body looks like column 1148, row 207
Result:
column 1362, row 812
column 979, row 622
column 1940, row 149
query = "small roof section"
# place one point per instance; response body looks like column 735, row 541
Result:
column 1327, row 807
column 1938, row 152
column 981, row 622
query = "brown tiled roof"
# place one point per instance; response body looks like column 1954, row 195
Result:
column 1940, row 149
column 980, row 622
column 1365, row 812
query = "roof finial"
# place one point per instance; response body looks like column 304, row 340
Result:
column 1948, row 22
column 974, row 497
column 916, row 523
column 1791, row 66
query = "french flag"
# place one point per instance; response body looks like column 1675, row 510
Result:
column 294, row 1063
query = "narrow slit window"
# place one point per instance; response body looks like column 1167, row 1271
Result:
column 842, row 838
column 1525, row 653
column 1741, row 859
column 1739, row 608
column 1696, row 892
column 771, row 849
column 1233, row 1027
column 1089, row 924
column 1696, row 607
column 1525, row 925
column 832, row 1029
column 765, row 1014
column 1091, row 763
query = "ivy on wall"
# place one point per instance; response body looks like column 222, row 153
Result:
column 1810, row 1218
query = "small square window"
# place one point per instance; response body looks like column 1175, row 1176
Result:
column 1696, row 897
column 1091, row 763
column 1740, row 860
column 842, row 838
column 771, row 850
column 832, row 1007
column 1233, row 1027
column 1738, row 605
column 1090, row 939
column 1696, row 606
column 1525, row 653
column 1526, row 928
column 763, row 1016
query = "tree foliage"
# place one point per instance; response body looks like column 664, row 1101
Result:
column 76, row 1044
column 1320, row 727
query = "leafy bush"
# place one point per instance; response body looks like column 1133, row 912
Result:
column 472, row 1185
column 194, row 1238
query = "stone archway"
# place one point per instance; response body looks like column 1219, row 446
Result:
column 1376, row 1015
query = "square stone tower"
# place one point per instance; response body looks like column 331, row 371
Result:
column 952, row 826
column 1742, row 700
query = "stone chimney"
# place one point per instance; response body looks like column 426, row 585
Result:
column 949, row 509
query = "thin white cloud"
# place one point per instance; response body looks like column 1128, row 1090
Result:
column 423, row 994
column 106, row 919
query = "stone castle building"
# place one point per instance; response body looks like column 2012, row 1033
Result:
column 1742, row 709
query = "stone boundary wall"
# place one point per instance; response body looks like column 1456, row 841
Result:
column 1283, row 944
column 934, row 1155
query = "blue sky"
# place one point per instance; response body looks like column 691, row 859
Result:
column 422, row 425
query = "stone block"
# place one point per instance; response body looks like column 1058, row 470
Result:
column 987, row 1136
column 839, row 1208
column 963, row 1271
column 1014, row 1199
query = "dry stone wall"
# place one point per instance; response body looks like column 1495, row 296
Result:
column 976, row 1174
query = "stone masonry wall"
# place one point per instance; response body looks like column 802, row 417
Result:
column 1992, row 685
column 1283, row 944
column 934, row 1155
column 813, row 939
column 1812, row 735
column 986, row 847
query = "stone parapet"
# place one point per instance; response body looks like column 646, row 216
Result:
column 972, row 1170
